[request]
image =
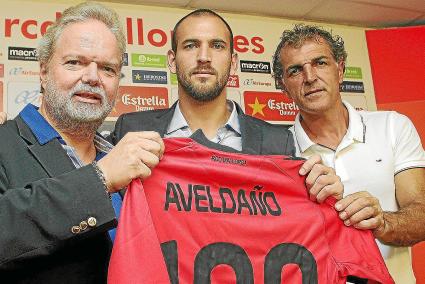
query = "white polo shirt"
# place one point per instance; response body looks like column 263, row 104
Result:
column 376, row 147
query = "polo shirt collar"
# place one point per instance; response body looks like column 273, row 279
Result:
column 302, row 138
column 39, row 126
column 356, row 129
column 179, row 122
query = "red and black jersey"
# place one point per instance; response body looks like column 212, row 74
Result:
column 208, row 216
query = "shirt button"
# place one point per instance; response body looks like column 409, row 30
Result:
column 92, row 221
column 83, row 225
column 75, row 229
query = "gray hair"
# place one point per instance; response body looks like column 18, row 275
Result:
column 80, row 13
column 301, row 33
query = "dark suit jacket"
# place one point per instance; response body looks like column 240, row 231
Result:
column 42, row 196
column 258, row 137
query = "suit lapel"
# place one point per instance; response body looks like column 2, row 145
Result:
column 162, row 120
column 51, row 156
column 252, row 137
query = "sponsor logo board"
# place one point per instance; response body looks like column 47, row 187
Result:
column 233, row 81
column 149, row 77
column 21, row 71
column 148, row 60
column 139, row 31
column 351, row 87
column 256, row 83
column 135, row 98
column 255, row 66
column 353, row 73
column 19, row 94
column 22, row 53
column 271, row 106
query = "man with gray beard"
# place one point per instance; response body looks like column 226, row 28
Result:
column 55, row 192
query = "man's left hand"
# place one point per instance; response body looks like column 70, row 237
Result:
column 363, row 211
column 321, row 181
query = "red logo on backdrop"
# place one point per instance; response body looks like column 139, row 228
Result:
column 131, row 98
column 1, row 70
column 233, row 81
column 271, row 106
column 1, row 96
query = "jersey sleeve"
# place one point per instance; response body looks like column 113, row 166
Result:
column 408, row 150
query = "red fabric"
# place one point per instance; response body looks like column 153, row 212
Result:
column 418, row 256
column 304, row 233
column 397, row 63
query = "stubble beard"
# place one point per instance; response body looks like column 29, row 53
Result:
column 199, row 91
column 75, row 117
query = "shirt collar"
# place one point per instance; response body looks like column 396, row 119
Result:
column 356, row 129
column 179, row 122
column 102, row 146
column 233, row 121
column 39, row 126
column 301, row 136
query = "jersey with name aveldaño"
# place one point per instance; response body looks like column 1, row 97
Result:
column 208, row 216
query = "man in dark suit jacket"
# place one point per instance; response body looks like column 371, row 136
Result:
column 257, row 136
column 55, row 206
column 202, row 55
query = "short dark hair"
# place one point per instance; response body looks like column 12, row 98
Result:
column 301, row 33
column 197, row 13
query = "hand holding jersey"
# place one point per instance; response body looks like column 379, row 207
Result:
column 321, row 181
column 362, row 210
column 3, row 117
column 133, row 157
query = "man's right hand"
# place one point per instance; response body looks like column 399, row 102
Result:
column 321, row 181
column 134, row 156
column 3, row 117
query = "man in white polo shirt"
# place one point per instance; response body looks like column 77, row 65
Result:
column 378, row 155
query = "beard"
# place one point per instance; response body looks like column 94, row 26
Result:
column 201, row 91
column 78, row 118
